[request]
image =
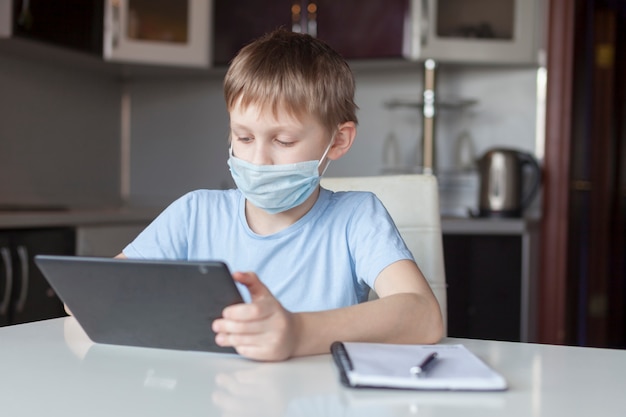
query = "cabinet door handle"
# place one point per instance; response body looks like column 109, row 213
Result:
column 311, row 19
column 424, row 22
column 113, row 25
column 117, row 25
column 8, row 270
column 296, row 17
column 22, row 254
column 25, row 19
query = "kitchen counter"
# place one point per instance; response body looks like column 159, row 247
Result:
column 77, row 217
column 488, row 226
column 478, row 254
column 81, row 217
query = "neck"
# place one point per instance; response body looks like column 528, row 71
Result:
column 264, row 223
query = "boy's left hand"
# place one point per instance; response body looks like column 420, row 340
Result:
column 261, row 329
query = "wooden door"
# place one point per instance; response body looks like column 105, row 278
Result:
column 582, row 278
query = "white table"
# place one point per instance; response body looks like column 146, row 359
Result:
column 50, row 369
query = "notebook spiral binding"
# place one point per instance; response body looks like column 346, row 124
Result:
column 341, row 358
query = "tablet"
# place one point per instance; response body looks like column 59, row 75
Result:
column 156, row 304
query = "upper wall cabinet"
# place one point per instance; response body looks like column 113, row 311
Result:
column 237, row 22
column 464, row 31
column 481, row 31
column 355, row 28
column 162, row 32
column 5, row 18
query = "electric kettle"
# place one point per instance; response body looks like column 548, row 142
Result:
column 505, row 190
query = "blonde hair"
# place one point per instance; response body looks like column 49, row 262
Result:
column 293, row 72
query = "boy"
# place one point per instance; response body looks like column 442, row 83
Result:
column 312, row 254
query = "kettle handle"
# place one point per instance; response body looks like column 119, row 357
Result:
column 528, row 159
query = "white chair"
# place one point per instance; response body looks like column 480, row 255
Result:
column 413, row 203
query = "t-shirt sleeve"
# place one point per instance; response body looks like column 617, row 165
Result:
column 166, row 236
column 375, row 240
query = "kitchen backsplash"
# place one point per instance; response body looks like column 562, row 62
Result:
column 59, row 135
column 184, row 124
column 60, row 130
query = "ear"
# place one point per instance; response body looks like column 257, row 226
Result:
column 344, row 138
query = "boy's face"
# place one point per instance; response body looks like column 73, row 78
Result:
column 261, row 138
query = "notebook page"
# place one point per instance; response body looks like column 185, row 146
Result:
column 388, row 365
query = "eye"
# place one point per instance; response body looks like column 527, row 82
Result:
column 244, row 139
column 283, row 142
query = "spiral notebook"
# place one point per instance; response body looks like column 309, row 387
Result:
column 378, row 365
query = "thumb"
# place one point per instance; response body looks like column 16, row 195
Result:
column 254, row 285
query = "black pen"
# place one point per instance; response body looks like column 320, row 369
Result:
column 423, row 367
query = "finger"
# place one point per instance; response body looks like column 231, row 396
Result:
column 256, row 288
column 261, row 353
column 238, row 327
column 253, row 346
column 238, row 340
column 256, row 310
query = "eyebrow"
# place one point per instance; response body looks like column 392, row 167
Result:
column 237, row 126
column 276, row 129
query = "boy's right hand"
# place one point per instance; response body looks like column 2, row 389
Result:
column 262, row 329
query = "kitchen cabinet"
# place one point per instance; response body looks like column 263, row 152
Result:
column 5, row 18
column 356, row 29
column 237, row 22
column 490, row 268
column 476, row 31
column 25, row 295
column 361, row 30
column 464, row 31
column 163, row 32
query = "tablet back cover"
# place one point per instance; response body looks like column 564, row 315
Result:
column 158, row 304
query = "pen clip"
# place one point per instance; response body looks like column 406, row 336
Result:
column 424, row 366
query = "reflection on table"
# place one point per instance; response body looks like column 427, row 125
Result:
column 51, row 368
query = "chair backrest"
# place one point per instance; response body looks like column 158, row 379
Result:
column 413, row 203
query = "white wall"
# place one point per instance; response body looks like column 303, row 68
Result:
column 504, row 113
column 59, row 134
column 178, row 138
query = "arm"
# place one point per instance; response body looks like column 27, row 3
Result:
column 406, row 312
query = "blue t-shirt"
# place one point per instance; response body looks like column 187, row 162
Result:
column 327, row 259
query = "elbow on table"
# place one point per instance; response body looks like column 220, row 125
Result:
column 422, row 322
column 431, row 328
column 436, row 332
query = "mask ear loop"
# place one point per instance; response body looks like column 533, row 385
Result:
column 332, row 141
column 231, row 154
column 230, row 146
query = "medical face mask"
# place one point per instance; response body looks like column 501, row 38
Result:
column 276, row 188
